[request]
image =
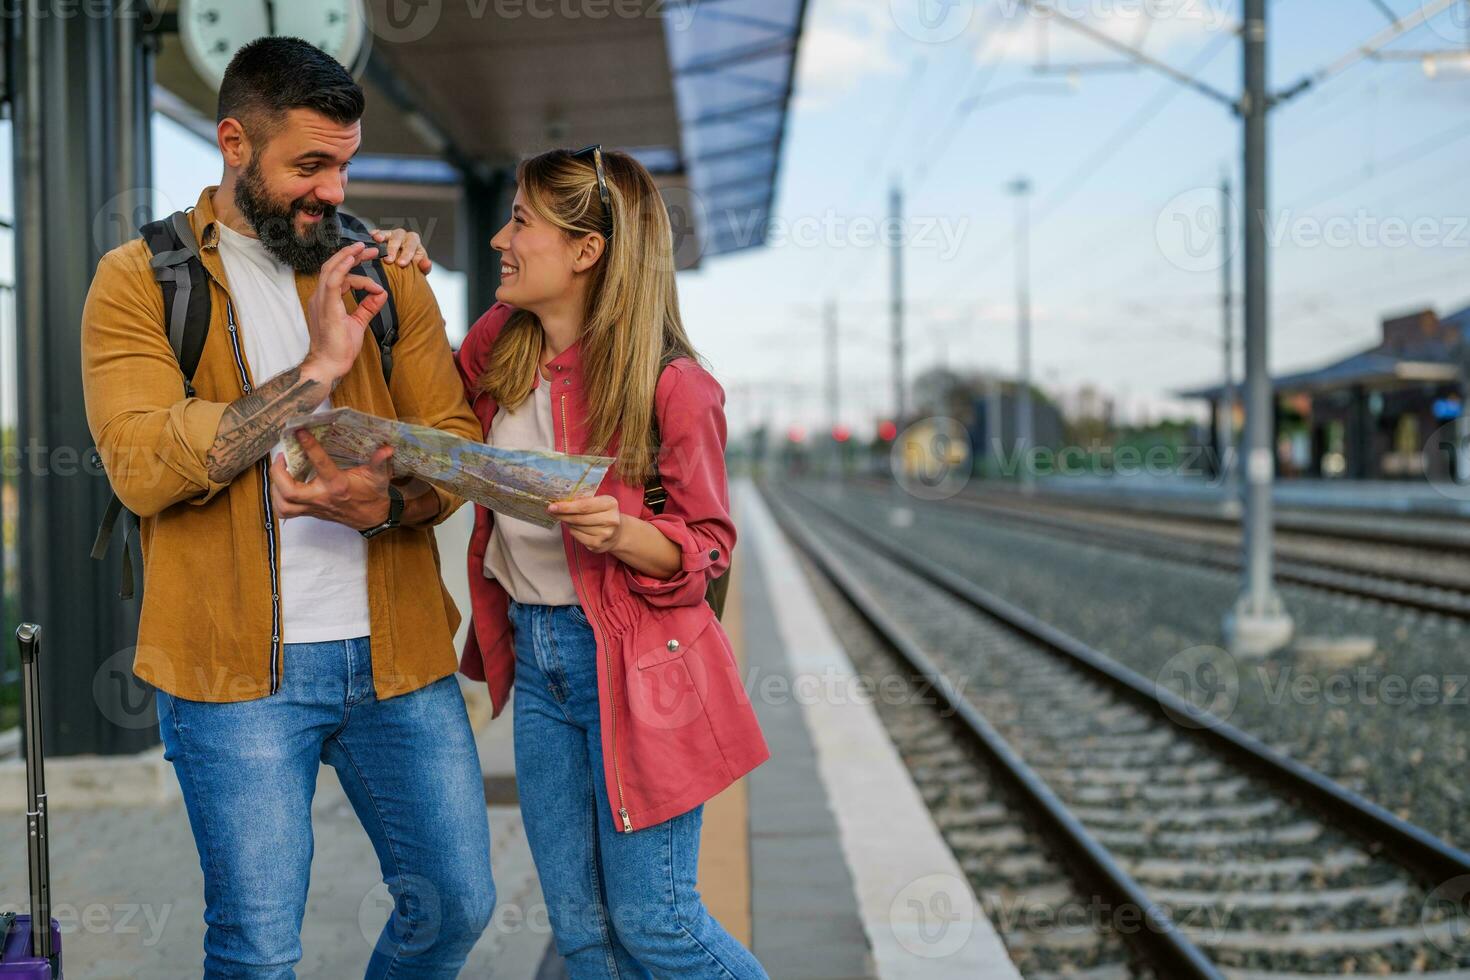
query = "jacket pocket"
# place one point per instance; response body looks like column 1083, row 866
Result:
column 671, row 634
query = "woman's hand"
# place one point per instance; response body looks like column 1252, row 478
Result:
column 402, row 247
column 594, row 522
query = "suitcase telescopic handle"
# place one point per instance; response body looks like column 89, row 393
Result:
column 28, row 638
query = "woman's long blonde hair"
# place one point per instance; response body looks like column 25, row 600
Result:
column 632, row 326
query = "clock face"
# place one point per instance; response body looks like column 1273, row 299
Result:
column 213, row 30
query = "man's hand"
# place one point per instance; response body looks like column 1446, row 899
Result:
column 356, row 496
column 404, row 247
column 336, row 335
column 595, row 522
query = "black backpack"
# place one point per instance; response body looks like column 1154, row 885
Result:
column 187, row 307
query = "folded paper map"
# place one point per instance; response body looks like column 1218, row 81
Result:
column 515, row 482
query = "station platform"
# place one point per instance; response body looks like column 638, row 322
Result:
column 824, row 861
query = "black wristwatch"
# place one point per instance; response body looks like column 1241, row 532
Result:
column 395, row 514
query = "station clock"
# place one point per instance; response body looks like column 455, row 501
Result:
column 213, row 30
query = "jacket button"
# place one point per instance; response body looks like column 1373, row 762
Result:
column 673, row 644
column 714, row 554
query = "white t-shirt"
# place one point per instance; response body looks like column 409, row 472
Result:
column 323, row 564
column 530, row 561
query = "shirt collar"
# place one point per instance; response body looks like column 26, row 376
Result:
column 205, row 224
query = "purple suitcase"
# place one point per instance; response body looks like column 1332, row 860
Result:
column 23, row 955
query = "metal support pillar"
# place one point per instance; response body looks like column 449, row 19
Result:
column 1259, row 623
column 83, row 181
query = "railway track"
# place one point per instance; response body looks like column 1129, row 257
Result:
column 1225, row 858
column 1401, row 576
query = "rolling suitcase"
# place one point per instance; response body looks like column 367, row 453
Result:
column 25, row 952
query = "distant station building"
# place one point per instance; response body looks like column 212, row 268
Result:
column 1378, row 414
column 970, row 397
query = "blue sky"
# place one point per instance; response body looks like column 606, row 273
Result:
column 1123, row 163
column 1107, row 159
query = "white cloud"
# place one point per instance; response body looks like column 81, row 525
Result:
column 845, row 41
column 848, row 41
column 1154, row 26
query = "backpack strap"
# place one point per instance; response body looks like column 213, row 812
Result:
column 654, row 494
column 187, row 308
column 181, row 275
column 385, row 324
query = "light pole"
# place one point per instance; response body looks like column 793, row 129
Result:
column 895, row 214
column 1021, row 189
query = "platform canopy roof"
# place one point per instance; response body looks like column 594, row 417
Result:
column 1433, row 359
column 699, row 90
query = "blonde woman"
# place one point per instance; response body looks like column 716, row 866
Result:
column 630, row 712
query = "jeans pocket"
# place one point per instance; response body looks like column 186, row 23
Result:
column 578, row 614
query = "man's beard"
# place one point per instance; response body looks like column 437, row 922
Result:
column 275, row 224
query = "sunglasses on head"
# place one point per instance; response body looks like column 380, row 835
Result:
column 594, row 153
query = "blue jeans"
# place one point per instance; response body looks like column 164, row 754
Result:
column 248, row 770
column 621, row 905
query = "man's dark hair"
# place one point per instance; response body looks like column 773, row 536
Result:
column 272, row 75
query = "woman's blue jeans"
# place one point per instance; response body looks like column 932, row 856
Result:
column 248, row 770
column 621, row 905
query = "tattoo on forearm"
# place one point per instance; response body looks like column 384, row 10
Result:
column 252, row 424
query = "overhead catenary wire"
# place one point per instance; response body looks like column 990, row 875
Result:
column 1090, row 165
column 1428, row 9
column 1399, row 26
